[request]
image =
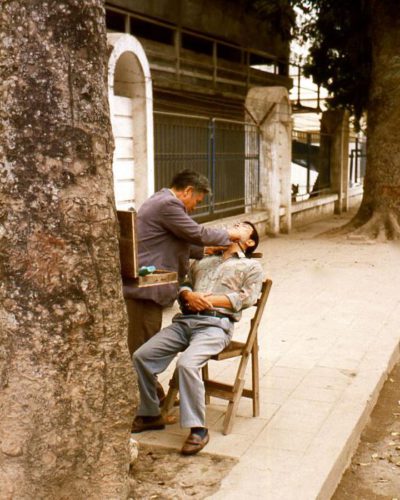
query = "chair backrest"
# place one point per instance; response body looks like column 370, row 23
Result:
column 259, row 305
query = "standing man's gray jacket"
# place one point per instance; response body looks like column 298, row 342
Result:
column 165, row 234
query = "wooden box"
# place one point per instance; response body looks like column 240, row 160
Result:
column 128, row 244
column 129, row 257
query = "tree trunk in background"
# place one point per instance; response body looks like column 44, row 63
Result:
column 379, row 214
column 66, row 381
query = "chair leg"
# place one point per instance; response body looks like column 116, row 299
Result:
column 237, row 390
column 206, row 377
column 171, row 396
column 255, row 375
column 233, row 407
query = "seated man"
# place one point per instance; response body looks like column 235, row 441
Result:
column 219, row 287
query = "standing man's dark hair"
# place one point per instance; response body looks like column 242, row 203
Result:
column 187, row 177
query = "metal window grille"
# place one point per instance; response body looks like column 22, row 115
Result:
column 357, row 158
column 225, row 151
column 311, row 170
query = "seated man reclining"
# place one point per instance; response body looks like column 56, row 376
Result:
column 219, row 287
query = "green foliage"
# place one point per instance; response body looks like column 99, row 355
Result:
column 280, row 15
column 340, row 54
column 340, row 45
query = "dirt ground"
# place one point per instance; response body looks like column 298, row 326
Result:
column 374, row 473
column 161, row 474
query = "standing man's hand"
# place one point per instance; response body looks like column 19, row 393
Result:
column 214, row 250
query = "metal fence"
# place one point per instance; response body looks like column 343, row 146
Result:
column 225, row 151
column 311, row 174
column 357, row 161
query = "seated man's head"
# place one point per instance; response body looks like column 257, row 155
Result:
column 190, row 187
column 248, row 237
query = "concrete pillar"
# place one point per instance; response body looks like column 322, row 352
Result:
column 335, row 149
column 269, row 109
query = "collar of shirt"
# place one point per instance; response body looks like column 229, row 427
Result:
column 239, row 254
column 173, row 194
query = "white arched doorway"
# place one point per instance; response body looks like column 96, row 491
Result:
column 131, row 110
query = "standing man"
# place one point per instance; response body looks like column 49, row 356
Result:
column 167, row 238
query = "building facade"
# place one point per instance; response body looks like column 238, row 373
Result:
column 200, row 84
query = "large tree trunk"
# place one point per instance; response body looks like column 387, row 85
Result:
column 66, row 382
column 379, row 214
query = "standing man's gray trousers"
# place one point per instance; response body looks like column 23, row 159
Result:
column 200, row 337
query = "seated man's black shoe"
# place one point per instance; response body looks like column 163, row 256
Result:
column 196, row 441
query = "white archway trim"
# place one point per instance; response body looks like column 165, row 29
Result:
column 122, row 43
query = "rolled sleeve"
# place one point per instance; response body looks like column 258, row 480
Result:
column 249, row 291
column 184, row 288
column 235, row 300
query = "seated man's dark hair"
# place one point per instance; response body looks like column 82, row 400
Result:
column 187, row 178
column 254, row 236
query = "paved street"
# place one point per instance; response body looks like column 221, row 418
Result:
column 329, row 335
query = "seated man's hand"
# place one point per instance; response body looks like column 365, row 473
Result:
column 196, row 301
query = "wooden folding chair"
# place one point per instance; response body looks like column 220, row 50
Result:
column 233, row 392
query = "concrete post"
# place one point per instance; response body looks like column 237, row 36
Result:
column 335, row 149
column 269, row 109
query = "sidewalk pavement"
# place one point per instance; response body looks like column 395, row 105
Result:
column 329, row 336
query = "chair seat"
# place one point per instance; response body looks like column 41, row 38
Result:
column 224, row 391
column 233, row 350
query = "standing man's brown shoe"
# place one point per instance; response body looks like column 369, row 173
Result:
column 146, row 423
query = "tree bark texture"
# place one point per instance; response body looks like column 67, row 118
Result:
column 379, row 214
column 66, row 380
